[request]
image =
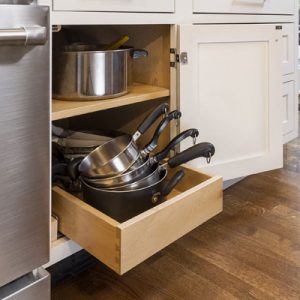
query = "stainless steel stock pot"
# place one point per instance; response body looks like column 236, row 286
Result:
column 83, row 73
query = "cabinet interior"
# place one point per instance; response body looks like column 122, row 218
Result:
column 124, row 113
column 122, row 119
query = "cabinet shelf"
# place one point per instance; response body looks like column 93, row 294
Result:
column 137, row 93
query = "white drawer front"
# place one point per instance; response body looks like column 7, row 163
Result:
column 115, row 5
column 289, row 108
column 245, row 6
column 288, row 58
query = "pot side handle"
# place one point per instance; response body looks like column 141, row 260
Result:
column 138, row 53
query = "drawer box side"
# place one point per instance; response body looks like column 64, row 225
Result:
column 91, row 229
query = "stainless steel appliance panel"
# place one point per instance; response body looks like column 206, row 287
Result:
column 32, row 286
column 24, row 146
column 17, row 2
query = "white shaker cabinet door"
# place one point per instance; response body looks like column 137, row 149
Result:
column 231, row 90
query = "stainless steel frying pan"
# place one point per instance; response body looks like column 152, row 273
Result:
column 117, row 155
column 145, row 168
column 203, row 149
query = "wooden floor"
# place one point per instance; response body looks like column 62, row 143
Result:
column 250, row 251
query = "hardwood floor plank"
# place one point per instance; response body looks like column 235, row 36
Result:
column 233, row 285
column 260, row 236
column 269, row 287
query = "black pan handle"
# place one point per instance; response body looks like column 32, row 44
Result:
column 194, row 133
column 59, row 169
column 73, row 168
column 200, row 150
column 64, row 180
column 167, row 187
column 174, row 115
column 150, row 119
column 138, row 53
column 171, row 184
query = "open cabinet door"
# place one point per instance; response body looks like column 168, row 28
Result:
column 230, row 89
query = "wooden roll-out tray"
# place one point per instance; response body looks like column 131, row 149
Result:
column 122, row 246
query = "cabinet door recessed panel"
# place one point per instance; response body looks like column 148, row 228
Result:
column 245, row 6
column 115, row 5
column 288, row 53
column 289, row 107
column 233, row 96
column 234, row 90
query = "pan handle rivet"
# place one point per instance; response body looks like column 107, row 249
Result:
column 166, row 112
column 155, row 198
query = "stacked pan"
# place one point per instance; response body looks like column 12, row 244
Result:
column 122, row 180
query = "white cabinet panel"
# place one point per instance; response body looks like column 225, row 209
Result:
column 230, row 89
column 288, row 107
column 288, row 53
column 115, row 5
column 245, row 6
column 290, row 111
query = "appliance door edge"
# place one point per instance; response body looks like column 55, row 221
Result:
column 32, row 286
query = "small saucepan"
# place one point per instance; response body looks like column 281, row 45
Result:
column 74, row 165
column 117, row 155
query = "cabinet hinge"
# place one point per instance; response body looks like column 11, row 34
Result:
column 176, row 58
column 173, row 57
column 184, row 57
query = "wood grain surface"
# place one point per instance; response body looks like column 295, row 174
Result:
column 250, row 251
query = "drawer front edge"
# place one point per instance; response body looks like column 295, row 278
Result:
column 148, row 235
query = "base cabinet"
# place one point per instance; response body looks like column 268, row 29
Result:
column 230, row 89
column 229, row 86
